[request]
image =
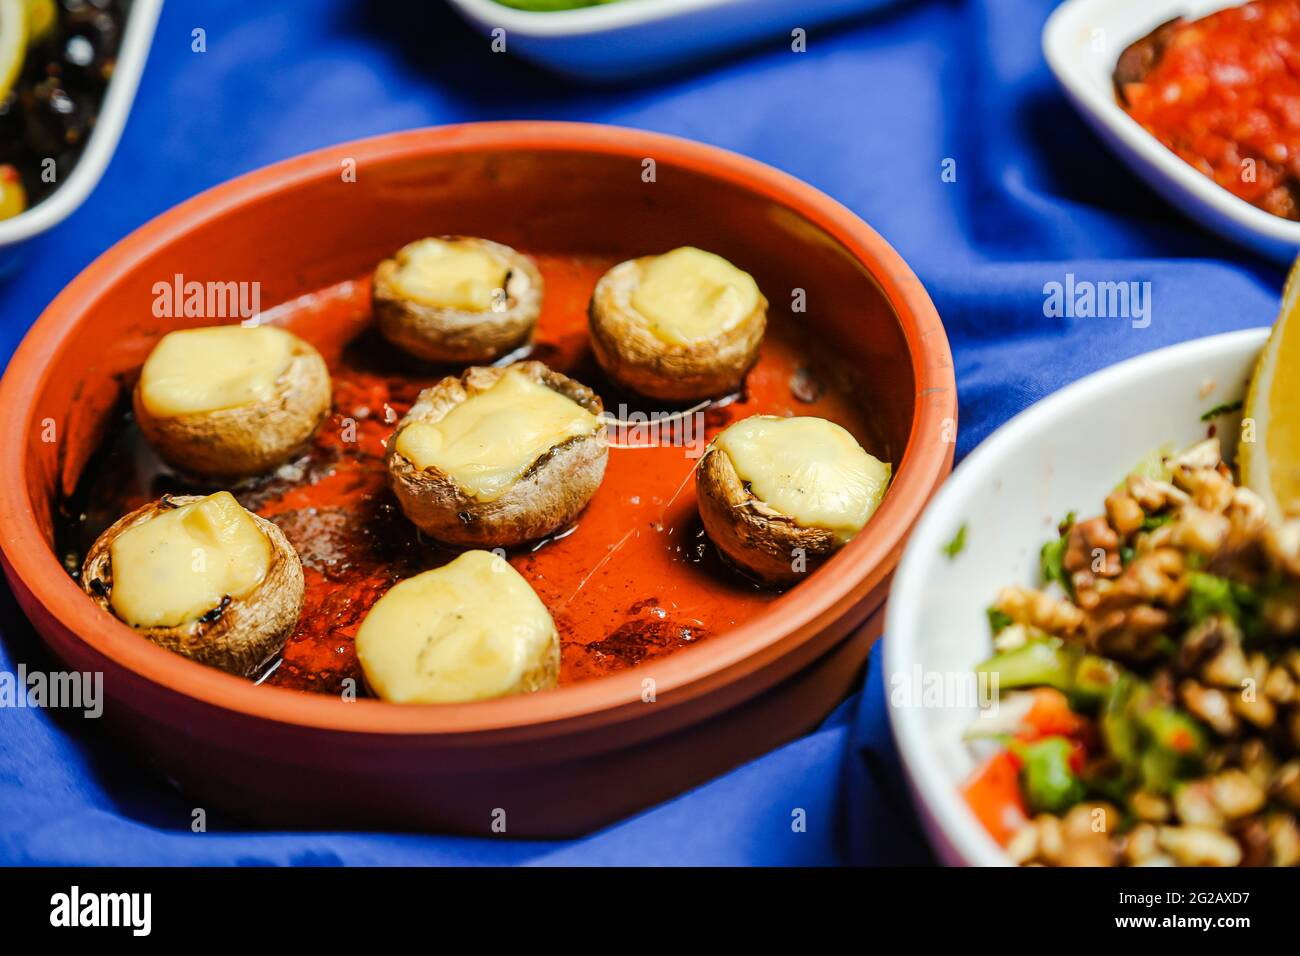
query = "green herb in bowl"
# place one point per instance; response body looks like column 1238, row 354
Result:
column 547, row 6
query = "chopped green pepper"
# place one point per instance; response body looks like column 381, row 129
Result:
column 1118, row 729
column 1035, row 663
column 1153, row 741
column 1094, row 678
column 1209, row 594
column 1151, row 522
column 546, row 6
column 1052, row 557
column 998, row 620
column 1049, row 783
column 1158, row 770
column 1173, row 731
column 1227, row 408
column 957, row 544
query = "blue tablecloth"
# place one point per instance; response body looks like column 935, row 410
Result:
column 870, row 113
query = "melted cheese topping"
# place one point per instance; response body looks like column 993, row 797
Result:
column 691, row 296
column 470, row 630
column 450, row 275
column 203, row 370
column 180, row 564
column 807, row 469
column 489, row 440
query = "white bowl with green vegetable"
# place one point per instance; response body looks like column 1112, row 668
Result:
column 986, row 531
column 620, row 39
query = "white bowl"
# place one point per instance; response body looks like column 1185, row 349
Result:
column 1064, row 453
column 629, row 38
column 1082, row 41
column 60, row 204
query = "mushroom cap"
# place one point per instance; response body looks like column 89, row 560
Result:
column 239, row 636
column 440, row 334
column 473, row 629
column 546, row 497
column 756, row 538
column 630, row 352
column 249, row 439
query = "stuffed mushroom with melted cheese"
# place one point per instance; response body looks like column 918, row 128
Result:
column 202, row 577
column 498, row 456
column 777, row 495
column 683, row 325
column 231, row 401
column 457, row 299
column 470, row 630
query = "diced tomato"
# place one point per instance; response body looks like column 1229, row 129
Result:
column 1183, row 742
column 993, row 794
column 1078, row 755
column 1051, row 716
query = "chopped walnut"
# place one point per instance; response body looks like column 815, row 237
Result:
column 1092, row 547
column 1141, row 844
column 1283, row 839
column 1204, row 454
column 1200, row 846
column 1133, row 634
column 1210, row 705
column 1124, row 513
column 1035, row 608
column 1236, row 795
column 1149, row 806
column 1203, row 532
column 1286, row 784
column 1155, row 495
column 1158, row 576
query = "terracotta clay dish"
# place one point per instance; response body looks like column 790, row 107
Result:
column 673, row 665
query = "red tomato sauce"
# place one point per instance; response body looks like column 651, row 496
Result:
column 1224, row 94
column 633, row 579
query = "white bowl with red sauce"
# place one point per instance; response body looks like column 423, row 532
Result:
column 1082, row 41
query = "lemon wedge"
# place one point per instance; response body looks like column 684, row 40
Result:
column 13, row 42
column 1269, row 453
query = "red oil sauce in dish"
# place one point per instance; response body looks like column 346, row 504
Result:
column 1223, row 92
column 633, row 579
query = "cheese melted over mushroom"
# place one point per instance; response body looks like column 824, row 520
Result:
column 451, row 275
column 690, row 296
column 488, row 441
column 179, row 565
column 808, row 469
column 204, row 370
column 470, row 630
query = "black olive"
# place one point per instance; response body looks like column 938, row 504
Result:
column 88, row 48
column 56, row 119
column 11, row 128
column 51, row 113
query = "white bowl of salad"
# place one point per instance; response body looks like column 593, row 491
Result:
column 1093, row 640
column 603, row 40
